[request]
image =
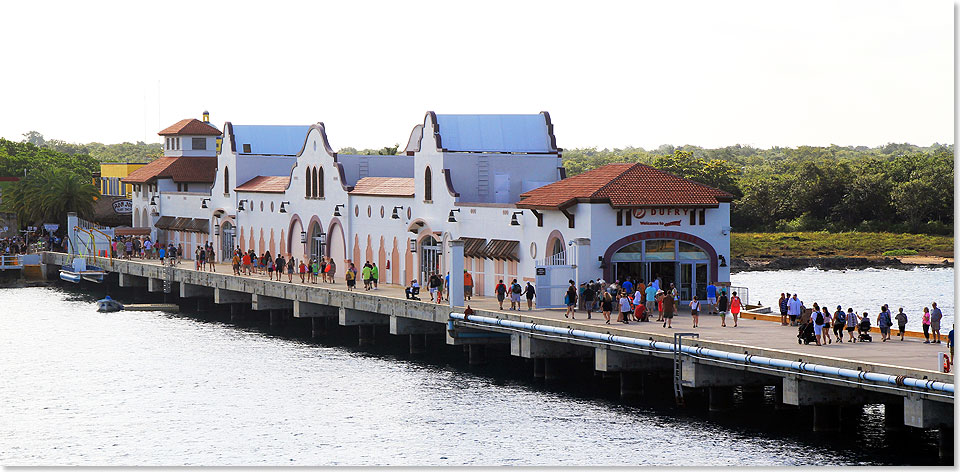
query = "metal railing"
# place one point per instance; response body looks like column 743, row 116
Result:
column 10, row 262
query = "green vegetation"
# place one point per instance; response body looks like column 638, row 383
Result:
column 892, row 188
column 121, row 152
column 384, row 151
column 849, row 244
column 900, row 252
column 48, row 194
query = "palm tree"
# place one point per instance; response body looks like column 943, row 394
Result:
column 48, row 195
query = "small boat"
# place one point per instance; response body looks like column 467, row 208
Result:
column 79, row 270
column 108, row 305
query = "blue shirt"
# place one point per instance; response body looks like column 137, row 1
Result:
column 627, row 286
column 651, row 293
column 711, row 291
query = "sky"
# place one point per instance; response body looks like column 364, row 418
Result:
column 611, row 74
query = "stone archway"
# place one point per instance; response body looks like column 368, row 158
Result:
column 672, row 235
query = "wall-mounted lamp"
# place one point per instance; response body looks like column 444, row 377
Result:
column 396, row 212
column 600, row 260
column 153, row 200
column 336, row 209
column 216, row 229
column 283, row 207
column 724, row 230
column 203, row 203
column 513, row 219
column 413, row 245
column 240, row 205
column 450, row 218
column 303, row 236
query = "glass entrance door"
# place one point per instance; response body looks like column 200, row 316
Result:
column 226, row 242
column 429, row 258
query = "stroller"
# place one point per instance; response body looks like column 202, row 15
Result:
column 863, row 331
column 805, row 334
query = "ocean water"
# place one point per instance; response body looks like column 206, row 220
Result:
column 863, row 290
column 147, row 388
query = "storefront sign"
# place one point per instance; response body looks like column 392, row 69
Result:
column 123, row 207
column 640, row 213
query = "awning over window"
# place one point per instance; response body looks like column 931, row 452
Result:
column 473, row 247
column 131, row 231
column 502, row 249
column 189, row 225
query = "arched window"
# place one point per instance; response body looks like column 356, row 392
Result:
column 308, row 185
column 320, row 182
column 226, row 180
column 559, row 253
column 428, row 184
column 315, row 184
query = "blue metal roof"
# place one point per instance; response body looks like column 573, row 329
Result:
column 270, row 139
column 495, row 133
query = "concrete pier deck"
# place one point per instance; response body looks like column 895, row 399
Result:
column 910, row 353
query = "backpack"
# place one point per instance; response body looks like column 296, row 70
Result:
column 517, row 288
column 819, row 317
column 841, row 318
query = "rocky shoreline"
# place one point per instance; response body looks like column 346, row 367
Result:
column 831, row 263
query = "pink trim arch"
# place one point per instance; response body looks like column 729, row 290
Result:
column 636, row 237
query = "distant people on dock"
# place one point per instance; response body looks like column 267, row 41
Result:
column 935, row 316
column 926, row 324
column 901, row 323
column 530, row 292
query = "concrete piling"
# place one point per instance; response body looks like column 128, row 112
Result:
column 553, row 369
column 538, row 368
column 418, row 343
column 478, row 354
column 275, row 318
column 893, row 416
column 945, row 444
column 631, row 386
column 318, row 327
column 367, row 335
column 720, row 398
column 826, row 418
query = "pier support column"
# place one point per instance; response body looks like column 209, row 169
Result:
column 752, row 394
column 234, row 313
column 826, row 418
column 538, row 365
column 631, row 386
column 275, row 318
column 367, row 333
column 553, row 369
column 318, row 327
column 893, row 416
column 418, row 343
column 478, row 354
column 721, row 398
column 945, row 442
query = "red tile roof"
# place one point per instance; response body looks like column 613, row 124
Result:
column 384, row 186
column 265, row 184
column 180, row 169
column 624, row 185
column 190, row 126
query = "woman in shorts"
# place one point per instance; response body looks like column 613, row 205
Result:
column 852, row 320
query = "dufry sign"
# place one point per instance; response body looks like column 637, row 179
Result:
column 640, row 213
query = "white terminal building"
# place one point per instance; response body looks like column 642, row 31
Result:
column 496, row 182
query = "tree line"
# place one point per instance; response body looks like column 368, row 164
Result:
column 899, row 188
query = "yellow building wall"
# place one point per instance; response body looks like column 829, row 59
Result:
column 110, row 175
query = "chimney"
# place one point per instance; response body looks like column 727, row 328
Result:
column 206, row 116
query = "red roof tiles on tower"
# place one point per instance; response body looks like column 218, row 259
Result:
column 190, row 126
column 624, row 186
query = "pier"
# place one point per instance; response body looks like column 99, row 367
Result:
column 754, row 356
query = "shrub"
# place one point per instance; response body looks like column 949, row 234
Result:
column 900, row 252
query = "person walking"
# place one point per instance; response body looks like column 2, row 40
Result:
column 852, row 321
column 529, row 291
column 515, row 291
column 735, row 306
column 901, row 322
column 365, row 276
column 935, row 316
column 375, row 275
column 501, row 291
column 571, row 300
column 827, row 323
column 625, row 310
column 711, row 298
column 651, row 299
column 695, row 311
column 926, row 324
column 291, row 268
column 281, row 264
column 588, row 296
column 331, row 271
column 351, row 277
column 669, row 304
column 468, row 285
column 782, row 303
column 884, row 323
column 722, row 308
column 839, row 319
column 302, row 269
column 793, row 309
column 606, row 306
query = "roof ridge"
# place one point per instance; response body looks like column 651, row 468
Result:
column 618, row 177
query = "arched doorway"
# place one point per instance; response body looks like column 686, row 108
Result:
column 337, row 245
column 227, row 233
column 317, row 240
column 670, row 257
column 430, row 254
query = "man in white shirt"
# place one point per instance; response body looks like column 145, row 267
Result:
column 794, row 307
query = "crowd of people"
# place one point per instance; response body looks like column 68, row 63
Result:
column 636, row 300
column 142, row 247
column 30, row 243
